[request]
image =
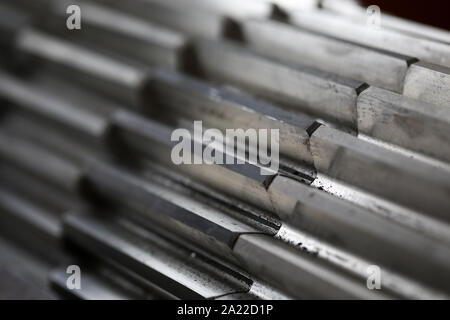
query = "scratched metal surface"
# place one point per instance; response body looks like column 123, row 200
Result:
column 85, row 151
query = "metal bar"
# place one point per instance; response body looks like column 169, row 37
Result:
column 175, row 95
column 406, row 122
column 399, row 178
column 346, row 59
column 180, row 213
column 360, row 231
column 275, row 262
column 40, row 162
column 332, row 25
column 178, row 271
column 95, row 285
column 352, row 9
column 117, row 32
column 297, row 87
column 429, row 83
column 107, row 75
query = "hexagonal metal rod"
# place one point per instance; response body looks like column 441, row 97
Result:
column 111, row 30
column 175, row 95
column 346, row 59
column 429, row 83
column 384, row 39
column 172, row 267
column 276, row 262
column 399, row 178
column 362, row 232
column 301, row 88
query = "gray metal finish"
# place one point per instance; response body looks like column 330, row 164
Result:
column 399, row 178
column 90, row 68
column 118, row 32
column 233, row 8
column 244, row 180
column 339, row 222
column 30, row 224
column 24, row 276
column 299, row 88
column 276, row 262
column 330, row 253
column 332, row 25
column 214, row 231
column 138, row 133
column 186, row 20
column 40, row 162
column 206, row 226
column 224, row 109
column 98, row 284
column 351, row 9
column 35, row 100
column 182, row 273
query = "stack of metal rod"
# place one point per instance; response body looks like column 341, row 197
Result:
column 360, row 205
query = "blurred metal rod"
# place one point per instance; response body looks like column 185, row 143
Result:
column 232, row 8
column 113, row 31
column 178, row 271
column 40, row 162
column 99, row 283
column 353, row 10
column 149, row 139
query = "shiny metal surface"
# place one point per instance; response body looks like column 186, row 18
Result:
column 384, row 39
column 383, row 69
column 297, row 87
column 87, row 177
column 409, row 123
column 399, row 178
column 427, row 82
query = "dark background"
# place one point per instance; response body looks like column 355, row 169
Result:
column 432, row 12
